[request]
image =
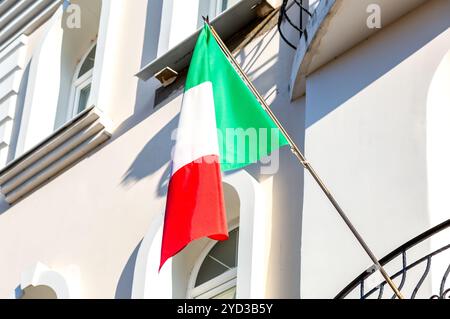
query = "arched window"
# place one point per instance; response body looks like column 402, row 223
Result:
column 40, row 282
column 217, row 273
column 38, row 292
column 82, row 83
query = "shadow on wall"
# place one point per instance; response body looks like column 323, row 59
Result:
column 283, row 276
column 149, row 53
column 125, row 285
column 145, row 92
column 4, row 206
column 76, row 44
column 251, row 57
column 12, row 152
column 270, row 74
column 271, row 77
column 369, row 65
column 155, row 154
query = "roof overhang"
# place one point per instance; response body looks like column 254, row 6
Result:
column 335, row 27
column 226, row 24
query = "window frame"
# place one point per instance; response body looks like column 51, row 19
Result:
column 79, row 83
column 218, row 284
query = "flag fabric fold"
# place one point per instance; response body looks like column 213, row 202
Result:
column 222, row 127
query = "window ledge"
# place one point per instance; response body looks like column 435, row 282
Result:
column 54, row 155
column 226, row 24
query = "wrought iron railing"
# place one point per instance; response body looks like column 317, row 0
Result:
column 401, row 276
column 299, row 26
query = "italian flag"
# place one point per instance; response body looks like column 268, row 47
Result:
column 222, row 127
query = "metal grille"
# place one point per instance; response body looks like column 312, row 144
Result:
column 415, row 272
column 298, row 23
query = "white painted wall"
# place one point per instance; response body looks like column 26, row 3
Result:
column 62, row 260
column 13, row 60
column 75, row 45
column 43, row 88
column 181, row 18
column 184, row 20
column 366, row 135
column 165, row 26
column 244, row 199
column 52, row 70
column 267, row 61
column 312, row 4
column 438, row 159
column 93, row 216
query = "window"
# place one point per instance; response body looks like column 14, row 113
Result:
column 82, row 83
column 216, row 277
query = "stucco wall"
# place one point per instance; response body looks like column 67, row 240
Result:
column 366, row 134
column 87, row 224
column 268, row 61
column 75, row 224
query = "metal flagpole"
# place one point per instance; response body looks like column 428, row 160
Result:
column 296, row 151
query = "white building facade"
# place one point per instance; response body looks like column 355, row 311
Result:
column 90, row 92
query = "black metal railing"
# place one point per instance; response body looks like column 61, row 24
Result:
column 415, row 282
column 299, row 25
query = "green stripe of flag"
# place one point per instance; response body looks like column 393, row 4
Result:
column 236, row 108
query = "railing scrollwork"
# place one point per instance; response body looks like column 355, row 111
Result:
column 407, row 269
column 284, row 16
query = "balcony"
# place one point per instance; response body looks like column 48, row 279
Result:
column 289, row 11
column 326, row 29
column 410, row 269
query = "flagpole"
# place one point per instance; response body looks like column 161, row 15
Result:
column 302, row 159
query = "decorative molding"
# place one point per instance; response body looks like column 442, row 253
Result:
column 193, row 291
column 23, row 17
column 149, row 283
column 41, row 275
column 55, row 154
column 12, row 65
